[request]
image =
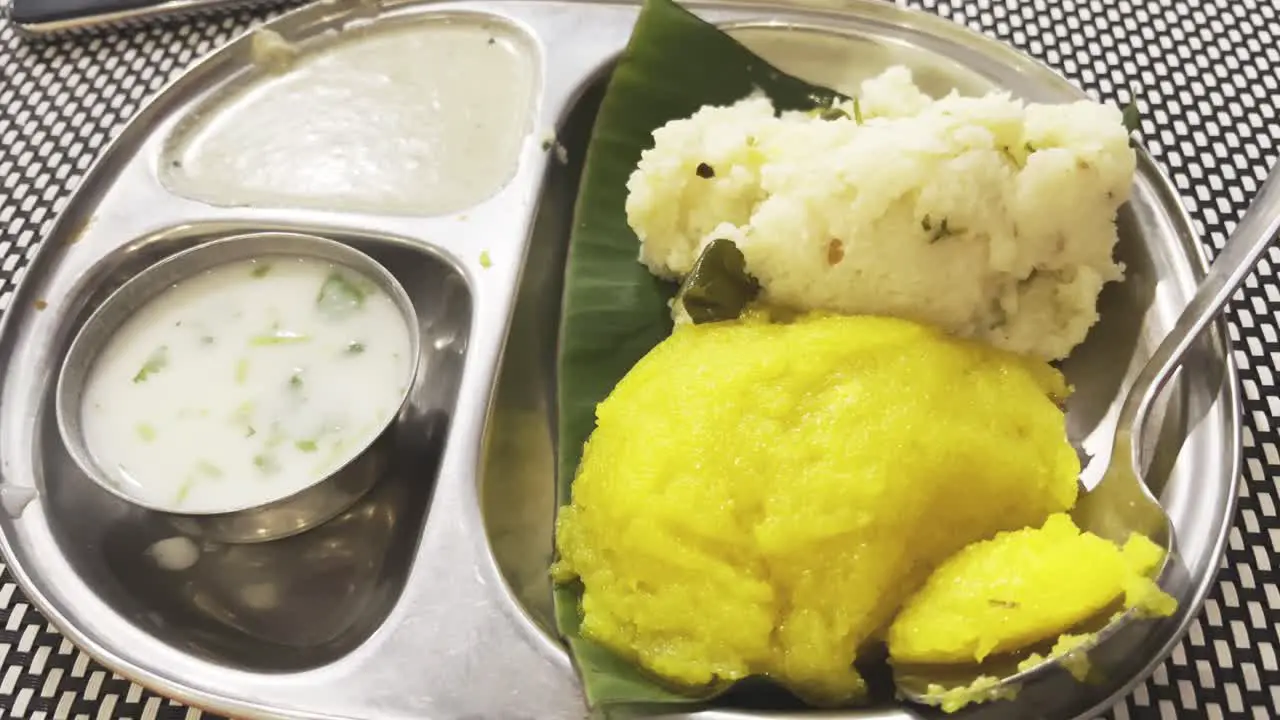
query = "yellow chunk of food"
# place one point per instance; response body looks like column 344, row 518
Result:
column 759, row 499
column 1077, row 664
column 1020, row 588
column 982, row 690
column 986, row 688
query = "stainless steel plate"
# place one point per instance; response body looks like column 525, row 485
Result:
column 430, row 597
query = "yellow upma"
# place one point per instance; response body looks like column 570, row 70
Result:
column 1077, row 665
column 761, row 498
column 1020, row 588
column 984, row 688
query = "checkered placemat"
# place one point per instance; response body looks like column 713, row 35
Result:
column 1208, row 80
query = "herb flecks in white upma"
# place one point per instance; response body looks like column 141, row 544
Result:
column 985, row 216
column 761, row 498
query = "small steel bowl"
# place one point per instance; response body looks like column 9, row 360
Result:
column 319, row 502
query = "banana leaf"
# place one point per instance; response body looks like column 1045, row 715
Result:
column 613, row 310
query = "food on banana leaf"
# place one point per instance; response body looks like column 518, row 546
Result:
column 986, row 216
column 856, row 396
column 760, row 498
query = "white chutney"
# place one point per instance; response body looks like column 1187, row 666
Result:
column 246, row 384
column 425, row 117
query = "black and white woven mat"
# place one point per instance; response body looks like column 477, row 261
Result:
column 1208, row 75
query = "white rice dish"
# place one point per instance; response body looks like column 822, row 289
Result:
column 988, row 217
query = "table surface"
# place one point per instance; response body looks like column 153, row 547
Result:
column 1207, row 75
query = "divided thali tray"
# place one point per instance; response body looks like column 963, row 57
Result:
column 430, row 597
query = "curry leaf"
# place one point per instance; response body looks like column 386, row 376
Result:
column 718, row 287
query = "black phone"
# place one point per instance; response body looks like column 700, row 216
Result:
column 47, row 17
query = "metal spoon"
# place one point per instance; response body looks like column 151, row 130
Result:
column 1121, row 503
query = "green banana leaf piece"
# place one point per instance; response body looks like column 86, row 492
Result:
column 614, row 311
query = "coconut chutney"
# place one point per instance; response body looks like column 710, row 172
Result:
column 423, row 118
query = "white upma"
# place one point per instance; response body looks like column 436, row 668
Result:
column 987, row 217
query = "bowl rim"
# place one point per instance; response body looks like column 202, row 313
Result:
column 152, row 281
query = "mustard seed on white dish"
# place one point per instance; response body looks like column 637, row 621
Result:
column 987, row 216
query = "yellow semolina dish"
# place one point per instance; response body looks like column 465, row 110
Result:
column 1021, row 588
column 761, row 498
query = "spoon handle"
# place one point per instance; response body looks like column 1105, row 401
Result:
column 1255, row 232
